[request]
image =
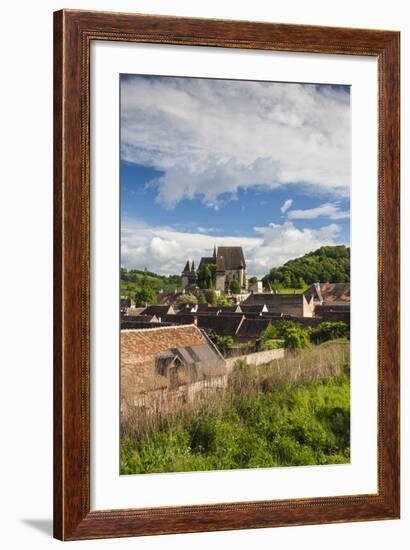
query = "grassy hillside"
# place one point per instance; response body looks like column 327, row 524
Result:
column 327, row 264
column 274, row 415
column 131, row 281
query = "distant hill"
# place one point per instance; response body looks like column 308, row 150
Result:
column 131, row 281
column 328, row 264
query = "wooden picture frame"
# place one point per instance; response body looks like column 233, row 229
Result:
column 74, row 32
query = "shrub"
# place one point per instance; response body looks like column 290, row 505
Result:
column 291, row 333
column 296, row 338
column 210, row 297
column 189, row 299
column 329, row 331
column 224, row 343
column 269, row 333
column 272, row 344
column 222, row 300
column 200, row 297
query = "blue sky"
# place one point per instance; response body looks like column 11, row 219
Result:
column 204, row 162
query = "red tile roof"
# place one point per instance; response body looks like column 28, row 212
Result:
column 141, row 348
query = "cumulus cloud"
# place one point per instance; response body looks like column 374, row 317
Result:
column 286, row 205
column 326, row 210
column 165, row 250
column 210, row 137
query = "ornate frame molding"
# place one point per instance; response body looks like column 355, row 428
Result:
column 73, row 33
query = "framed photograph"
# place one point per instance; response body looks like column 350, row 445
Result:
column 226, row 275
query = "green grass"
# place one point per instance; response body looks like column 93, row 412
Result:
column 292, row 425
column 291, row 290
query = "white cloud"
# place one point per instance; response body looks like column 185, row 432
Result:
column 215, row 136
column 286, row 205
column 205, row 230
column 326, row 210
column 165, row 250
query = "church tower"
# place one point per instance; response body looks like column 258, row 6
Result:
column 188, row 275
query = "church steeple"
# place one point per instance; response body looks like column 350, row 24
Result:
column 188, row 275
column 187, row 268
column 214, row 256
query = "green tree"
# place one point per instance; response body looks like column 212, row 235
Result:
column 235, row 287
column 301, row 283
column 287, row 279
column 145, row 295
column 212, row 271
column 204, row 276
column 210, row 297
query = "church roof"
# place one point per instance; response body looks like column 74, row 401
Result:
column 232, row 257
column 220, row 263
column 205, row 260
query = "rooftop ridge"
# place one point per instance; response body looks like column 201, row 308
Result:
column 176, row 327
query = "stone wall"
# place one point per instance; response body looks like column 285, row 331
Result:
column 257, row 358
column 165, row 400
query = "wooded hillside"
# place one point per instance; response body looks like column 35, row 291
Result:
column 328, row 264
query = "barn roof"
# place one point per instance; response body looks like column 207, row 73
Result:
column 134, row 311
column 138, row 319
column 206, row 308
column 335, row 292
column 168, row 298
column 238, row 314
column 252, row 328
column 332, row 306
column 222, row 325
column 329, row 292
column 252, row 308
column 313, row 291
column 185, row 318
column 260, row 298
column 230, row 309
column 158, row 310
